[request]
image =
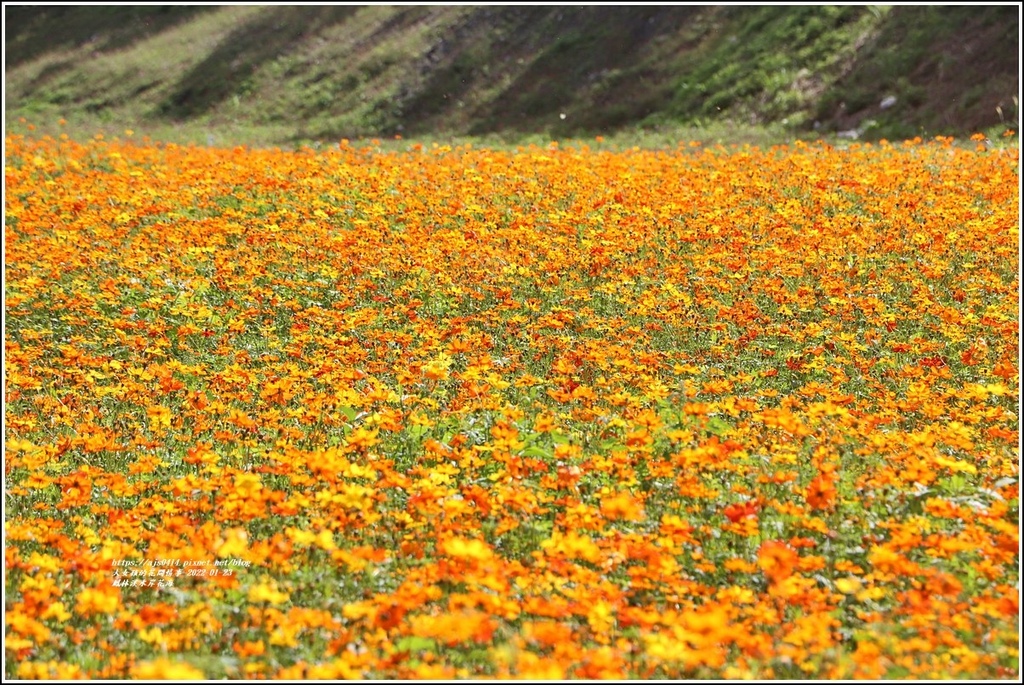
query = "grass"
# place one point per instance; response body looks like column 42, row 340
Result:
column 290, row 75
column 772, row 63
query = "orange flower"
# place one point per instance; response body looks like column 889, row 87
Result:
column 157, row 614
column 469, row 550
column 453, row 629
column 777, row 560
column 505, row 388
column 547, row 633
column 821, row 493
column 362, row 439
column 736, row 512
column 573, row 546
column 622, row 505
column 247, row 649
column 98, row 600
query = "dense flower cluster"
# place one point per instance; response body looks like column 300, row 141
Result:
column 547, row 412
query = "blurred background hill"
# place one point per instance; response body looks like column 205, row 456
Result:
column 297, row 74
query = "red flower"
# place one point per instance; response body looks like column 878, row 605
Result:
column 735, row 512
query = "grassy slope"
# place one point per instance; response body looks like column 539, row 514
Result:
column 281, row 74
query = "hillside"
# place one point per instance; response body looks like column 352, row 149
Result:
column 288, row 74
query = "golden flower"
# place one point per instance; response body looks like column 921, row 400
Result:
column 166, row 668
column 266, row 591
column 98, row 600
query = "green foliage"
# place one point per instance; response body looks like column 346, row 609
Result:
column 304, row 75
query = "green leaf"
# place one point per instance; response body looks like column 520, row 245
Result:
column 536, row 451
column 415, row 643
column 717, row 426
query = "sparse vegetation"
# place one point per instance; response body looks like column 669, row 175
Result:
column 294, row 75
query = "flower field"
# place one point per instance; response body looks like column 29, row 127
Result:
column 557, row 411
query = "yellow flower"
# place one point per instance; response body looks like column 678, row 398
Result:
column 151, row 635
column 573, row 546
column 57, row 611
column 872, row 594
column 27, row 627
column 44, row 562
column 247, row 485
column 303, row 538
column 334, row 670
column 27, row 670
column 97, row 601
column 325, row 539
column 437, row 369
column 284, row 636
column 362, row 439
column 463, row 548
column 159, row 418
column 166, row 669
column 354, row 496
column 358, row 610
column 267, row 592
column 354, row 563
column 236, row 544
column 533, row 667
column 848, row 586
column 601, row 617
column 956, row 465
